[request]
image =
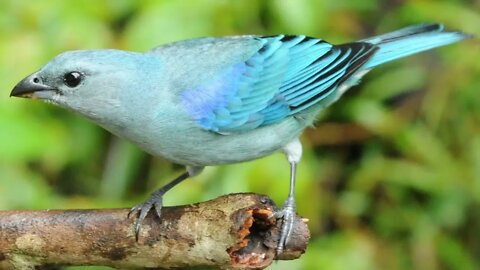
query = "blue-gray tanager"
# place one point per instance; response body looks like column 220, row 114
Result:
column 213, row 101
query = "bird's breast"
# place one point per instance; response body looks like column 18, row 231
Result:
column 183, row 142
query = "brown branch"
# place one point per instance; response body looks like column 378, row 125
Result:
column 233, row 231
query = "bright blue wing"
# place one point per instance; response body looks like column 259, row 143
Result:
column 287, row 75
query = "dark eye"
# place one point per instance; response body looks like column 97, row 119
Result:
column 72, row 79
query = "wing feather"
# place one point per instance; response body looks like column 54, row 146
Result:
column 287, row 75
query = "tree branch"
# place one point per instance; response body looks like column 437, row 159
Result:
column 232, row 231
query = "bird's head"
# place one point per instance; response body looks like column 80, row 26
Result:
column 93, row 83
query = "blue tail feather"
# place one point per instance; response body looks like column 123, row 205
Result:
column 410, row 40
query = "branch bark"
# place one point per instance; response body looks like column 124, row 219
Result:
column 232, row 231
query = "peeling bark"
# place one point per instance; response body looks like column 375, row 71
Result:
column 232, row 231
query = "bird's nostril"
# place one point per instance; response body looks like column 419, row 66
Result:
column 36, row 80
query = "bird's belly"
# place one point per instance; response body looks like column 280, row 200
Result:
column 196, row 147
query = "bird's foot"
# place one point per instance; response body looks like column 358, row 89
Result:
column 155, row 201
column 287, row 214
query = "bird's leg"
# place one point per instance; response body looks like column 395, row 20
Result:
column 287, row 213
column 293, row 150
column 155, row 201
column 156, row 198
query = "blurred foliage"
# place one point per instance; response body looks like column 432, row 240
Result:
column 390, row 178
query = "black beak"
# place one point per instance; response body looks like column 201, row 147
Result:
column 28, row 86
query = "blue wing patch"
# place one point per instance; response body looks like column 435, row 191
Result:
column 287, row 75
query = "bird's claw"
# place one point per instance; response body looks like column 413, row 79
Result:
column 155, row 201
column 287, row 214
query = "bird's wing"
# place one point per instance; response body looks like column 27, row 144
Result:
column 286, row 75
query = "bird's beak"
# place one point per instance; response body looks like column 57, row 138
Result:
column 32, row 87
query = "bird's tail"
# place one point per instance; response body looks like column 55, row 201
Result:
column 410, row 40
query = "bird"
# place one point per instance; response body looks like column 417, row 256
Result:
column 219, row 100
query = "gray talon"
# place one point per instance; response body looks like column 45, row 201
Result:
column 287, row 214
column 155, row 201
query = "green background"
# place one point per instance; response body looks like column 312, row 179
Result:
column 390, row 177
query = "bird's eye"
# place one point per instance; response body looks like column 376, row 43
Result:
column 72, row 79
